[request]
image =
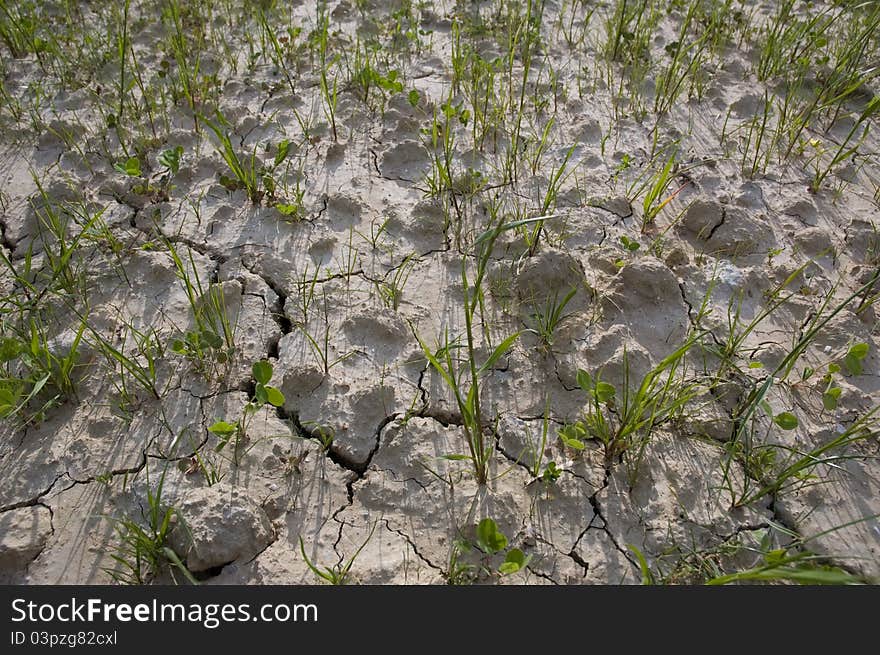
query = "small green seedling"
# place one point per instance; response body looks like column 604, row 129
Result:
column 492, row 541
column 143, row 551
column 628, row 244
column 832, row 392
column 324, row 433
column 852, row 362
column 548, row 318
column 786, row 420
column 623, row 421
column 130, row 167
column 201, row 343
column 489, row 539
column 551, row 473
column 338, row 574
column 170, row 159
column 573, row 435
column 853, row 359
column 248, row 173
column 264, row 394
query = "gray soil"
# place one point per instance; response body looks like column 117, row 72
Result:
column 338, row 296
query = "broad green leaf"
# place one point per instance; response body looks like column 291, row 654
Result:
column 413, row 98
column 489, row 539
column 230, row 183
column 776, row 556
column 515, row 561
column 262, row 371
column 584, row 380
column 283, row 151
column 576, row 444
column 830, row 398
column 287, row 210
column 131, row 167
column 786, row 420
column 10, row 349
column 629, row 244
column 170, row 159
column 211, row 339
column 275, row 397
column 569, row 435
column 7, row 397
column 508, row 568
column 222, row 428
column 853, row 365
column 604, row 392
column 260, row 394
column 854, row 357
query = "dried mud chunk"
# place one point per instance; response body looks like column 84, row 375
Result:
column 377, row 330
column 661, row 498
column 702, row 217
column 604, row 259
column 298, row 381
column 602, row 354
column 840, row 516
column 562, row 512
column 406, row 161
column 343, row 211
column 222, row 524
column 646, row 280
column 550, row 272
column 863, row 241
column 589, row 131
column 603, row 560
column 677, row 257
column 424, row 225
column 618, row 205
column 814, row 241
column 740, row 234
column 23, row 534
column 708, row 419
column 802, row 209
column 747, row 105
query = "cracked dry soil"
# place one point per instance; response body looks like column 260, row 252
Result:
column 337, row 294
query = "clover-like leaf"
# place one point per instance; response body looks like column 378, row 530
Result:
column 274, row 396
column 489, row 539
column 854, row 357
column 604, row 392
column 515, row 561
column 130, row 167
column 223, row 429
column 584, row 380
column 786, row 420
column 262, row 371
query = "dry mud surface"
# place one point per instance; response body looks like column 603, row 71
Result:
column 343, row 269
